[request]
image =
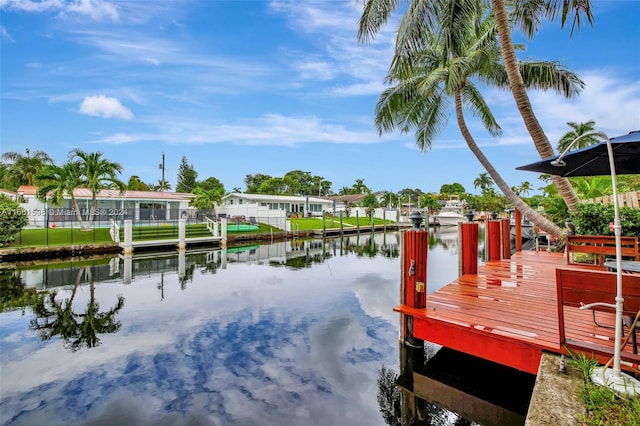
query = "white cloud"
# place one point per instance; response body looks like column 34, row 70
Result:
column 103, row 106
column 96, row 9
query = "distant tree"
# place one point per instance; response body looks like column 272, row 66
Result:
column 160, row 186
column 389, row 199
column 206, row 199
column 483, row 182
column 300, row 183
column 370, row 201
column 578, row 129
column 210, row 183
column 135, row 184
column 345, row 190
column 429, row 201
column 12, row 219
column 452, row 189
column 273, row 186
column 360, row 188
column 187, row 176
column 253, row 182
column 236, row 190
column 524, row 188
column 23, row 168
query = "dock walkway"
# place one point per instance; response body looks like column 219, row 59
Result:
column 508, row 313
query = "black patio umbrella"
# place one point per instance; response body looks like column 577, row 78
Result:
column 594, row 160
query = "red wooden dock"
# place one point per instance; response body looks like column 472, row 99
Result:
column 508, row 313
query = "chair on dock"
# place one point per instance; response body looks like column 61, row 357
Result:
column 252, row 221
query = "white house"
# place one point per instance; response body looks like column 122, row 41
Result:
column 112, row 204
column 263, row 205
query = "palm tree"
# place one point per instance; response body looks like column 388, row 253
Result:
column 578, row 129
column 97, row 173
column 135, row 184
column 459, row 43
column 483, row 182
column 529, row 19
column 524, row 187
column 24, row 168
column 409, row 35
column 56, row 182
column 207, row 200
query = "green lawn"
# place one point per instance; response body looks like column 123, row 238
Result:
column 33, row 237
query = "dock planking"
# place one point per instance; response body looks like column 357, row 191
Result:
column 508, row 313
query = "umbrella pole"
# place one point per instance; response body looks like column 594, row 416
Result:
column 615, row 378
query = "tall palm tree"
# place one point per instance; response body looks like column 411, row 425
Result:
column 97, row 173
column 578, row 129
column 524, row 187
column 529, row 18
column 377, row 12
column 458, row 44
column 24, row 168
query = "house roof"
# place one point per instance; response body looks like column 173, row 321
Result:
column 114, row 193
column 275, row 198
column 356, row 198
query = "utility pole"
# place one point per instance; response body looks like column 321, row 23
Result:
column 162, row 168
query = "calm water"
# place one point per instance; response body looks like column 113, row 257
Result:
column 291, row 333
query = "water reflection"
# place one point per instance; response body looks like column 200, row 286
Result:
column 292, row 332
column 56, row 317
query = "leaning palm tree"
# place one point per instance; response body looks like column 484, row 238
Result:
column 578, row 129
column 24, row 168
column 97, row 173
column 527, row 14
column 458, row 44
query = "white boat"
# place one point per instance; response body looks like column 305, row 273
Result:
column 452, row 213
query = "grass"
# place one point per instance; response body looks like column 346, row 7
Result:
column 38, row 237
column 311, row 223
column 604, row 405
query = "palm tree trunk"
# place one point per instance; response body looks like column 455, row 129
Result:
column 76, row 207
column 533, row 216
column 521, row 98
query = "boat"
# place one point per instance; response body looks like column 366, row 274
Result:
column 452, row 213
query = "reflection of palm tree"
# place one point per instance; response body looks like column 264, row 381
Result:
column 57, row 318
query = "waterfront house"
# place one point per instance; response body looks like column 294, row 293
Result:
column 265, row 205
column 112, row 204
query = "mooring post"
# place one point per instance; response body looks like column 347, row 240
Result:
column 358, row 222
column 224, row 231
column 128, row 236
column 341, row 227
column 493, row 240
column 128, row 257
column 468, row 254
column 182, row 232
column 413, row 283
column 506, row 238
column 182, row 269
column 518, row 233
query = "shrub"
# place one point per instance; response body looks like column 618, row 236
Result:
column 12, row 219
column 594, row 219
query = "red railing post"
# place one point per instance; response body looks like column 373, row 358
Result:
column 493, row 240
column 518, row 236
column 468, row 254
column 506, row 238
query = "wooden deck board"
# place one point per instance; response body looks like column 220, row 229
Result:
column 508, row 313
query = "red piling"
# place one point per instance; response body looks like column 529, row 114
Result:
column 413, row 285
column 468, row 260
column 493, row 240
column 506, row 238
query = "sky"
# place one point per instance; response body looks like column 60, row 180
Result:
column 247, row 87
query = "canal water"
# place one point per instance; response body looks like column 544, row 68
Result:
column 299, row 332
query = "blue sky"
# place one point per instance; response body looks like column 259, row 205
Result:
column 246, row 87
